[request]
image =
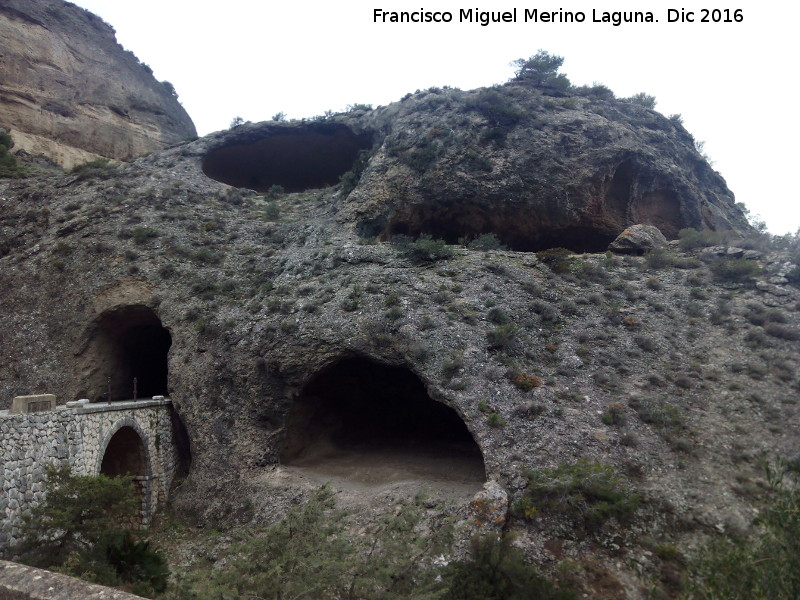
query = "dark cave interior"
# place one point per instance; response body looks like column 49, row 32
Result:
column 361, row 406
column 296, row 158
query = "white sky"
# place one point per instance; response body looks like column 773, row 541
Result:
column 732, row 82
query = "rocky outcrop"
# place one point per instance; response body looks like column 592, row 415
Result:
column 70, row 91
column 537, row 171
column 638, row 239
column 284, row 329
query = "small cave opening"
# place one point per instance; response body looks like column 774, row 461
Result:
column 516, row 229
column 134, row 347
column 373, row 423
column 124, row 455
column 296, row 158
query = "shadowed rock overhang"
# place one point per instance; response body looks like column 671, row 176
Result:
column 297, row 158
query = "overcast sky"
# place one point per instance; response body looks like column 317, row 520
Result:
column 732, row 82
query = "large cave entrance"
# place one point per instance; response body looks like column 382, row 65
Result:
column 297, row 158
column 133, row 347
column 372, row 423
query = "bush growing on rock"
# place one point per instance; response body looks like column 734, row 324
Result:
column 735, row 270
column 496, row 570
column 423, row 250
column 80, row 529
column 589, row 492
column 8, row 162
column 540, row 68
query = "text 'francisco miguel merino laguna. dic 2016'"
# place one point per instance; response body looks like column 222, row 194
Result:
column 529, row 15
column 534, row 15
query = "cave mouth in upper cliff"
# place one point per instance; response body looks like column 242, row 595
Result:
column 516, row 229
column 374, row 423
column 134, row 345
column 296, row 158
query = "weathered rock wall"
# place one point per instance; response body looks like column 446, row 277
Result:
column 69, row 86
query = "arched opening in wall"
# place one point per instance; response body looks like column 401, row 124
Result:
column 364, row 421
column 295, row 157
column 133, row 347
column 125, row 455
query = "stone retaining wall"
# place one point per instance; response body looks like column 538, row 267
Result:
column 79, row 437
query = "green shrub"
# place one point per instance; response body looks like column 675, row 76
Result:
column 423, row 250
column 556, row 259
column 350, row 179
column 538, row 69
column 272, row 212
column 496, row 107
column 765, row 567
column 452, row 365
column 642, row 99
column 658, row 413
column 8, row 162
column 141, row 235
column 485, row 241
column 692, row 238
column 309, row 554
column 80, row 529
column 498, row 315
column 614, row 415
column 735, row 270
column 659, row 258
column 586, row 491
column 502, row 337
column 496, row 570
column 94, row 169
column 495, row 420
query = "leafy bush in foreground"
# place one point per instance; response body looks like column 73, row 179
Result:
column 496, row 570
column 80, row 529
column 764, row 568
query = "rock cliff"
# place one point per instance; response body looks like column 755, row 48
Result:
column 237, row 274
column 69, row 91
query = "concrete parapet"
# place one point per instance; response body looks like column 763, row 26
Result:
column 30, row 404
column 20, row 582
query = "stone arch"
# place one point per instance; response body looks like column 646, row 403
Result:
column 125, row 450
column 127, row 342
column 362, row 418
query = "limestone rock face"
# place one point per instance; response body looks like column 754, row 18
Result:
column 70, row 91
column 536, row 170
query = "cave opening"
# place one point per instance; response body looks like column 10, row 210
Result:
column 135, row 347
column 296, row 158
column 516, row 230
column 124, row 455
column 374, row 423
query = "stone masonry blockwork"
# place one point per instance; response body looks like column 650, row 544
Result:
column 79, row 437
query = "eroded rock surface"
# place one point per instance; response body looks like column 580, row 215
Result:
column 283, row 323
column 70, row 91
